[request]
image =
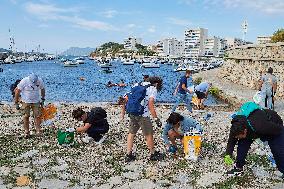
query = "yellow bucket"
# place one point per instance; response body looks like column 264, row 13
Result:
column 192, row 145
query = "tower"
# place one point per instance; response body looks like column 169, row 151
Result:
column 245, row 29
column 12, row 42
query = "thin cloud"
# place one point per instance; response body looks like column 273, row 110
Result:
column 130, row 25
column 152, row 29
column 109, row 13
column 265, row 6
column 179, row 22
column 52, row 12
column 43, row 26
column 14, row 2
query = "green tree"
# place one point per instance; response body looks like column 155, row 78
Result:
column 278, row 36
column 110, row 47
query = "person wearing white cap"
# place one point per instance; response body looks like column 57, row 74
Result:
column 31, row 88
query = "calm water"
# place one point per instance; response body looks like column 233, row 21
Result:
column 63, row 83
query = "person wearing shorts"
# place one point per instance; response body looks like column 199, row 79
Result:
column 31, row 88
column 143, row 121
column 201, row 92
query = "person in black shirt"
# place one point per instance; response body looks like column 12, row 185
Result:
column 95, row 123
column 264, row 124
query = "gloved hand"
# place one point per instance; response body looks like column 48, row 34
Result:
column 228, row 160
column 17, row 106
column 42, row 102
column 158, row 122
column 70, row 130
column 172, row 149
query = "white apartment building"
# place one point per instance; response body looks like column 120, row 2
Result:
column 170, row 47
column 234, row 42
column 130, row 42
column 263, row 39
column 194, row 42
column 214, row 47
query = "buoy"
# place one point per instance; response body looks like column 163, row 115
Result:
column 82, row 79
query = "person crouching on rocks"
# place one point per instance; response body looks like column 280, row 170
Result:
column 264, row 124
column 175, row 128
column 95, row 124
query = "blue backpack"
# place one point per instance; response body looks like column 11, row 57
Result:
column 135, row 97
column 246, row 109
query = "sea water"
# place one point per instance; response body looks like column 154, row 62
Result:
column 63, row 84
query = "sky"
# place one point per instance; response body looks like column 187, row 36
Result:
column 56, row 25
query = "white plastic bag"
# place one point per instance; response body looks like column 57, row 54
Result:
column 191, row 89
column 258, row 97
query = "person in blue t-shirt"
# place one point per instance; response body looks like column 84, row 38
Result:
column 175, row 128
column 201, row 92
column 182, row 92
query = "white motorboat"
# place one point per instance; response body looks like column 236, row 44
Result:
column 9, row 60
column 30, row 59
column 128, row 62
column 150, row 65
column 183, row 68
column 79, row 60
column 69, row 63
column 105, row 65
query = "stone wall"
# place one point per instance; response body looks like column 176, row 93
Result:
column 245, row 65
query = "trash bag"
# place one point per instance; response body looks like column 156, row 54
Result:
column 258, row 97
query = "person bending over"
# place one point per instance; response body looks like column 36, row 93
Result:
column 175, row 128
column 95, row 123
column 264, row 124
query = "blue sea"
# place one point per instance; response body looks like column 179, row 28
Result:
column 63, row 84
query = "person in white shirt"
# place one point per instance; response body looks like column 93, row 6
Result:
column 141, row 118
column 201, row 92
column 31, row 88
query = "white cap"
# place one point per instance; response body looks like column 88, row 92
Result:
column 33, row 78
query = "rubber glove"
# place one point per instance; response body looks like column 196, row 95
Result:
column 17, row 107
column 228, row 160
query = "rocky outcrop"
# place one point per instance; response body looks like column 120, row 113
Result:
column 245, row 65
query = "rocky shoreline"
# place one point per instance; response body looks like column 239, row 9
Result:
column 48, row 165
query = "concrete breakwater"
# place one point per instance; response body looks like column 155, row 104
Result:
column 245, row 65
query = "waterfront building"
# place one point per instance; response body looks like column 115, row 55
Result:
column 170, row 47
column 214, row 47
column 130, row 42
column 194, row 42
column 263, row 39
column 232, row 42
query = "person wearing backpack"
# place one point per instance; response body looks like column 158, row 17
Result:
column 13, row 87
column 268, row 87
column 182, row 92
column 249, row 123
column 139, row 104
column 31, row 88
column 95, row 123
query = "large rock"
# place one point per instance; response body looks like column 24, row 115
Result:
column 52, row 184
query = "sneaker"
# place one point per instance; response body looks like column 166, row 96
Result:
column 130, row 157
column 27, row 135
column 235, row 172
column 156, row 156
column 87, row 139
column 101, row 140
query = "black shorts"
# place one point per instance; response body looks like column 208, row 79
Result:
column 200, row 95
